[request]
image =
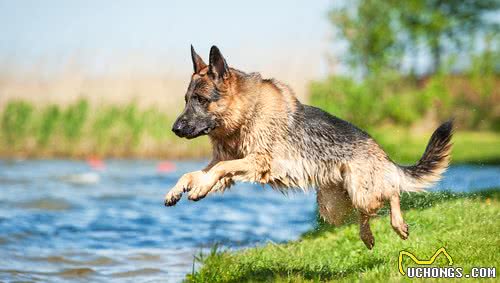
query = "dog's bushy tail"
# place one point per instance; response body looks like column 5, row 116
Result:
column 433, row 162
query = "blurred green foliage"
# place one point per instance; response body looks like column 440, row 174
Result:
column 80, row 129
column 49, row 119
column 16, row 120
column 380, row 33
column 74, row 118
column 372, row 103
column 129, row 131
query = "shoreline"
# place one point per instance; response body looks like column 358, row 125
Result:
column 329, row 253
column 402, row 146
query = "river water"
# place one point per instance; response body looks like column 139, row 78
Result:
column 61, row 221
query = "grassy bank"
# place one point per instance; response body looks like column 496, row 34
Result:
column 389, row 104
column 406, row 146
column 471, row 98
column 466, row 225
column 80, row 130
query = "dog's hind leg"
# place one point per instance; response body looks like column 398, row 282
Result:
column 359, row 183
column 397, row 221
column 334, row 204
column 365, row 231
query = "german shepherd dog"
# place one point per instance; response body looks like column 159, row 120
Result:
column 261, row 133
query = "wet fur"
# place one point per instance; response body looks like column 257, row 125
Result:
column 265, row 135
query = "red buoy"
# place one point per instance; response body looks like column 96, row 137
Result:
column 96, row 163
column 165, row 167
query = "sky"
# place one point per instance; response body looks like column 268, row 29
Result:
column 281, row 37
column 101, row 35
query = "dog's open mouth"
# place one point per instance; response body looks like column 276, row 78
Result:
column 201, row 132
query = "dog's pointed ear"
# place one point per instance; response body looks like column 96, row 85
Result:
column 198, row 63
column 217, row 65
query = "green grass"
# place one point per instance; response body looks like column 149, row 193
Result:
column 397, row 100
column 406, row 147
column 466, row 225
column 79, row 130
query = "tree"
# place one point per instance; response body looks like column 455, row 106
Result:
column 367, row 27
column 445, row 24
column 379, row 32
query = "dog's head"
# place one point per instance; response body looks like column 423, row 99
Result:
column 208, row 97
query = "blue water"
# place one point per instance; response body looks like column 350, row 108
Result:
column 60, row 221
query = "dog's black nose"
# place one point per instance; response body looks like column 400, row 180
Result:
column 177, row 128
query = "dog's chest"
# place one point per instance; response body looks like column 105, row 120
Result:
column 229, row 149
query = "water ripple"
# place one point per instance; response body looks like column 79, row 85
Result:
column 66, row 222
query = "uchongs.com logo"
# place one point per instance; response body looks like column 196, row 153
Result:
column 425, row 270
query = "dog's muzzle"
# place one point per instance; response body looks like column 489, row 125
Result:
column 184, row 130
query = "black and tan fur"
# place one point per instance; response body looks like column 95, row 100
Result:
column 261, row 133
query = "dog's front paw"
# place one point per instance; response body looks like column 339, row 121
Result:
column 202, row 184
column 172, row 198
column 183, row 185
column 198, row 192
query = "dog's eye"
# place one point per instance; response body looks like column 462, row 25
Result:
column 201, row 99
